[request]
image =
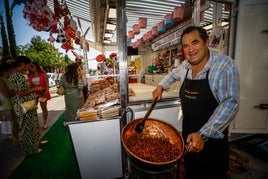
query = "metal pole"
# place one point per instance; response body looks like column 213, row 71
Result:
column 196, row 13
column 232, row 29
column 123, row 80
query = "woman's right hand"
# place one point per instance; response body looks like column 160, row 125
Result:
column 157, row 93
column 39, row 89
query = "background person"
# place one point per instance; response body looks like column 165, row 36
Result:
column 38, row 78
column 209, row 97
column 7, row 93
column 57, row 76
column 28, row 133
column 73, row 97
column 8, row 59
column 78, row 60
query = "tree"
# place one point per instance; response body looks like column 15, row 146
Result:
column 10, row 30
column 4, row 38
column 40, row 51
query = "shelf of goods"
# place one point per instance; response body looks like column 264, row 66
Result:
column 103, row 101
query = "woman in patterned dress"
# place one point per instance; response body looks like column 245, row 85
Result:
column 28, row 133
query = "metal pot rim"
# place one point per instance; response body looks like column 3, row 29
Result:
column 171, row 133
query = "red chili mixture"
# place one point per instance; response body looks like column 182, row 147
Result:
column 152, row 149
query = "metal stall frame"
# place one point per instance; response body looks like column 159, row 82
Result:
column 123, row 79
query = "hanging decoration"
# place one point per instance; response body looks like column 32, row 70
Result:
column 68, row 45
column 41, row 18
column 145, row 37
column 100, row 58
column 39, row 15
column 155, row 31
column 130, row 34
column 69, row 27
column 136, row 29
column 113, row 55
column 67, row 42
column 161, row 27
column 51, row 40
column 178, row 13
column 139, row 42
column 61, row 37
column 168, row 20
column 149, row 35
column 142, row 22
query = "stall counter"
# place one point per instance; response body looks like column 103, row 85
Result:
column 143, row 92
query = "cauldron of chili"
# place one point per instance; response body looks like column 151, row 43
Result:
column 159, row 144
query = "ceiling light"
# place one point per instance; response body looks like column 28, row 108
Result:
column 108, row 35
column 107, row 41
column 209, row 27
column 112, row 13
column 110, row 26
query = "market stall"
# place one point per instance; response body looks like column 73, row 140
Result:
column 133, row 102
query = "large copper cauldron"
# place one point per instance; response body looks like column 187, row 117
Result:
column 154, row 128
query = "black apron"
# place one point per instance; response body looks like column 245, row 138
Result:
column 198, row 104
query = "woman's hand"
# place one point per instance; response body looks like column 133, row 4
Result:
column 39, row 89
column 30, row 90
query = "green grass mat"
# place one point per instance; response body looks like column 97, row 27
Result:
column 57, row 160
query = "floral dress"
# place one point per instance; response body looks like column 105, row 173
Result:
column 28, row 133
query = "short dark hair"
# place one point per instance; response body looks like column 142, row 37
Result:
column 5, row 67
column 202, row 32
column 39, row 69
column 5, row 59
column 22, row 59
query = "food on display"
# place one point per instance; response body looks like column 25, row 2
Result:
column 98, row 85
column 103, row 102
column 152, row 149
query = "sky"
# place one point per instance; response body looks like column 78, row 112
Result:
column 24, row 32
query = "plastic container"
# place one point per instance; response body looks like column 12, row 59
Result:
column 130, row 34
column 142, row 22
column 136, row 29
column 161, row 27
column 178, row 13
column 155, row 31
column 168, row 20
column 150, row 69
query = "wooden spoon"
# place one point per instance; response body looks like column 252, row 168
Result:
column 140, row 125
